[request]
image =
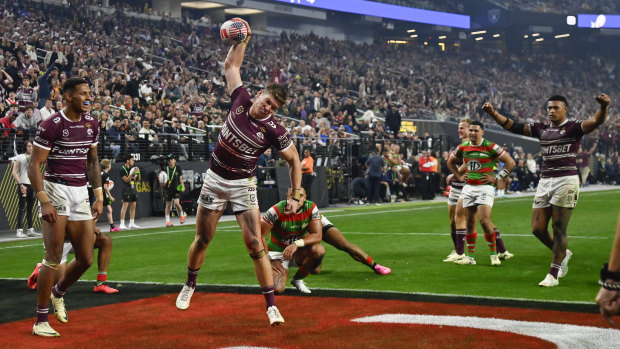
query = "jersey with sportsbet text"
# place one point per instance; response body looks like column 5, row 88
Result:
column 68, row 143
column 243, row 139
column 559, row 146
column 480, row 159
column 286, row 228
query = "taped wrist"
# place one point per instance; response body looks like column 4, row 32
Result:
column 98, row 194
column 300, row 243
column 42, row 197
column 503, row 173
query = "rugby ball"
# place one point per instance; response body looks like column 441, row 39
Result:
column 163, row 178
column 109, row 185
column 233, row 32
column 135, row 170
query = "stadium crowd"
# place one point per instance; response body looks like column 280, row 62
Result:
column 159, row 87
column 563, row 7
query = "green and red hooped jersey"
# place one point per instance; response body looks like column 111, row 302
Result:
column 480, row 159
column 286, row 228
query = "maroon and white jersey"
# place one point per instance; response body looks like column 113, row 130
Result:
column 243, row 139
column 25, row 96
column 455, row 182
column 559, row 147
column 69, row 143
column 196, row 109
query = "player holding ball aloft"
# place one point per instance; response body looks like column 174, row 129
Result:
column 249, row 130
column 558, row 189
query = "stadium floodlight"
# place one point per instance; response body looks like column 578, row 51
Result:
column 496, row 35
column 442, row 37
column 479, row 38
column 562, row 36
column 479, row 32
column 540, row 39
column 535, row 35
column 377, row 9
column 526, row 36
column 413, row 36
column 411, row 31
column 201, row 5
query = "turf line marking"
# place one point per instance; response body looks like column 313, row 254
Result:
column 361, row 291
column 563, row 335
column 445, row 234
column 381, row 212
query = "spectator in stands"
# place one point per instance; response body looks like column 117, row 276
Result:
column 27, row 122
column 47, row 110
column 393, row 120
column 172, row 92
column 115, row 135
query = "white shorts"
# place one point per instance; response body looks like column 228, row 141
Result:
column 325, row 222
column 455, row 194
column 274, row 255
column 473, row 195
column 67, row 249
column 68, row 201
column 217, row 192
column 557, row 191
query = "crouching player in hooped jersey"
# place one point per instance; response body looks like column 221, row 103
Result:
column 479, row 156
column 249, row 130
column 67, row 143
column 293, row 240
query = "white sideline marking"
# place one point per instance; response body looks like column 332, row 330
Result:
column 563, row 335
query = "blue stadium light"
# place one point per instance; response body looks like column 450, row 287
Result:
column 377, row 9
column 598, row 21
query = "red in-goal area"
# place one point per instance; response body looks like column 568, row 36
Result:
column 217, row 320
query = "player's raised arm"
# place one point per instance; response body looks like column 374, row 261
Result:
column 234, row 60
column 600, row 116
column 506, row 122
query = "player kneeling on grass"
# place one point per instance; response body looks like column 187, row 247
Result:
column 104, row 243
column 293, row 240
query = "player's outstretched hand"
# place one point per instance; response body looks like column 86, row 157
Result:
column 488, row 108
column 603, row 100
column 609, row 303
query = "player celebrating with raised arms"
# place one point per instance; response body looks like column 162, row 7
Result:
column 249, row 130
column 558, row 189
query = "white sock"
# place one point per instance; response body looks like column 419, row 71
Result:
column 122, row 222
column 167, row 218
column 131, row 222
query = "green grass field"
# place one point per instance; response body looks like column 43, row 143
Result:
column 411, row 238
